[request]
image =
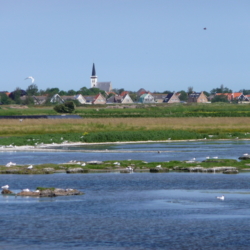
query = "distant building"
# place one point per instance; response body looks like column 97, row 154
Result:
column 198, row 97
column 105, row 86
column 171, row 98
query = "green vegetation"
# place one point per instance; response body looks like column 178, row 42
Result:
column 67, row 107
column 218, row 109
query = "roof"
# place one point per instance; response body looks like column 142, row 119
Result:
column 93, row 70
column 168, row 97
column 124, row 93
column 105, row 86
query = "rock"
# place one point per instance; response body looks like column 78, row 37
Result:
column 49, row 170
column 6, row 191
column 158, row 170
column 51, row 192
column 95, row 162
column 244, row 157
column 28, row 193
column 232, row 171
column 74, row 170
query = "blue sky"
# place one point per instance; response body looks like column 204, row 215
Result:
column 153, row 44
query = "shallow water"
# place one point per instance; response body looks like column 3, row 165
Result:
column 128, row 211
column 146, row 152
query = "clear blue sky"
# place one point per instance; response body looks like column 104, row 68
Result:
column 153, row 44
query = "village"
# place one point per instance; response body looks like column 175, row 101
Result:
column 103, row 93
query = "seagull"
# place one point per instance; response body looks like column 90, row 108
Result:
column 5, row 187
column 207, row 157
column 26, row 190
column 158, row 167
column 129, row 169
column 30, row 167
column 245, row 154
column 117, row 163
column 30, row 77
column 221, row 197
column 215, row 157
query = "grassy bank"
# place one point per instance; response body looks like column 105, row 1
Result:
column 34, row 132
column 139, row 110
column 108, row 166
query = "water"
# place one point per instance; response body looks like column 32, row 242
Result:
column 128, row 211
column 146, row 152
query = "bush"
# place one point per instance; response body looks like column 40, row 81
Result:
column 67, row 107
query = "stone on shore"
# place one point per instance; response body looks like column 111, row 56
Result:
column 6, row 191
column 51, row 192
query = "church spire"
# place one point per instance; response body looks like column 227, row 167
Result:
column 93, row 70
column 93, row 78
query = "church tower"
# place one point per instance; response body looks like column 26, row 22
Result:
column 93, row 78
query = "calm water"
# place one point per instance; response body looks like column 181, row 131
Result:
column 129, row 211
column 147, row 152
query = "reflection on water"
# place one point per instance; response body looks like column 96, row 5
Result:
column 135, row 211
column 156, row 152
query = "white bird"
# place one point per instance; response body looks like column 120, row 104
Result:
column 30, row 77
column 30, row 167
column 245, row 154
column 221, row 197
column 215, row 157
column 84, row 164
column 5, row 187
column 158, row 167
column 207, row 157
column 117, row 163
column 26, row 190
column 129, row 169
column 193, row 159
column 10, row 164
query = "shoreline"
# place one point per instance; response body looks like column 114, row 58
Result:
column 47, row 147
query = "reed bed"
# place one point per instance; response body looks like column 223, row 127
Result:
column 44, row 126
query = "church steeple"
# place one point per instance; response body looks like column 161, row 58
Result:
column 93, row 78
column 93, row 70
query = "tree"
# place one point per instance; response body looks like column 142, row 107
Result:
column 67, row 107
column 222, row 89
column 32, row 89
column 4, row 99
column 167, row 92
column 190, row 90
column 183, row 96
column 220, row 98
column 71, row 92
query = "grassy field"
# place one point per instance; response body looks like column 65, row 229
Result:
column 44, row 126
column 37, row 131
column 139, row 110
column 124, row 124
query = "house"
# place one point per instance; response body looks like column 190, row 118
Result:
column 89, row 99
column 127, row 99
column 39, row 100
column 122, row 98
column 159, row 97
column 80, row 98
column 57, row 99
column 197, row 97
column 105, row 86
column 147, row 98
column 139, row 92
column 99, row 99
column 115, row 99
column 233, row 96
column 171, row 98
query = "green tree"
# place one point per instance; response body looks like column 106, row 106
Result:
column 4, row 99
column 32, row 90
column 183, row 96
column 220, row 98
